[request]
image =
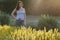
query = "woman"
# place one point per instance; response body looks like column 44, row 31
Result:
column 20, row 14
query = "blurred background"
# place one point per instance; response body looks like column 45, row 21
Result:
column 34, row 9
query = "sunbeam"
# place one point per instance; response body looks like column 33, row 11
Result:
column 50, row 7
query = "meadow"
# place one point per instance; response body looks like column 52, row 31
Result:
column 24, row 33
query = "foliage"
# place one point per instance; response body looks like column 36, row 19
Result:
column 48, row 21
column 9, row 5
column 23, row 33
column 4, row 18
column 5, row 32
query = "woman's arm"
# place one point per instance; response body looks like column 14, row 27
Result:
column 13, row 12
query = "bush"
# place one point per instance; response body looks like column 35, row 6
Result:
column 4, row 18
column 48, row 22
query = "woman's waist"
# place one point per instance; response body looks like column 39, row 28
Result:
column 22, row 18
column 19, row 20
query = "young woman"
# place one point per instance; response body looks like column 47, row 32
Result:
column 20, row 14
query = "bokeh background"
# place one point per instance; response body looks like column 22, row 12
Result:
column 34, row 9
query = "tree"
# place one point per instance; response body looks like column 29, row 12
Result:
column 9, row 5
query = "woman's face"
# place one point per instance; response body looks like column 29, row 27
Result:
column 20, row 5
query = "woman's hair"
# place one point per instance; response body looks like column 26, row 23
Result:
column 17, row 7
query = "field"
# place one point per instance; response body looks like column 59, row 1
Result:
column 10, row 32
column 23, row 33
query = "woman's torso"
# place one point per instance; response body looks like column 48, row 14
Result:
column 20, row 14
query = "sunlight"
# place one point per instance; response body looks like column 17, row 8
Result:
column 50, row 7
column 36, row 4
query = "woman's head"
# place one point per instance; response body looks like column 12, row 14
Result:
column 19, row 5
